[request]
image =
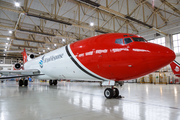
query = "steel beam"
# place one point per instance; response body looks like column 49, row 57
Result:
column 170, row 6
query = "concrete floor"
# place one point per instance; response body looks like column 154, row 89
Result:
column 85, row 101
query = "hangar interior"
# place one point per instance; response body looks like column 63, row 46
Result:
column 41, row 26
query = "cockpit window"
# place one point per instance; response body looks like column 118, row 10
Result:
column 127, row 40
column 119, row 41
column 139, row 39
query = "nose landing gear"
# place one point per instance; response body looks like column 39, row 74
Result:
column 111, row 92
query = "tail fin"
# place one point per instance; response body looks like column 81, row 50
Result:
column 24, row 56
column 175, row 66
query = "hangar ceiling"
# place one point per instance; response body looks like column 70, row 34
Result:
column 44, row 25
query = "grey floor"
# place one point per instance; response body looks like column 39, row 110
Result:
column 85, row 101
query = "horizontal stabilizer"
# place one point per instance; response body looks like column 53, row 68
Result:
column 19, row 51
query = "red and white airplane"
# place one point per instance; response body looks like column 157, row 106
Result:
column 175, row 66
column 108, row 58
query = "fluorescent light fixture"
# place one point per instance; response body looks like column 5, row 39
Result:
column 17, row 4
column 54, row 44
column 47, row 18
column 91, row 24
column 92, row 3
column 10, row 31
column 8, row 38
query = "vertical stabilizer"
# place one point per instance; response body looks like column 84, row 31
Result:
column 175, row 66
column 24, row 56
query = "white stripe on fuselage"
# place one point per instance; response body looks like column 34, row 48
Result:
column 62, row 68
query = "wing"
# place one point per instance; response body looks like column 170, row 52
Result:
column 19, row 73
column 5, row 66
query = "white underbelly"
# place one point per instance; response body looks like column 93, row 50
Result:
column 66, row 68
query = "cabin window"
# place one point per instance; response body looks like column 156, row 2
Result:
column 138, row 39
column 127, row 40
column 119, row 41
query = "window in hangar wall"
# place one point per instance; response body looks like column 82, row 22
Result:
column 160, row 41
column 176, row 43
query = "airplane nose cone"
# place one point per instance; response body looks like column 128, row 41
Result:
column 160, row 56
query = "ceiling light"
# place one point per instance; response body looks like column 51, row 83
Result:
column 6, row 43
column 39, row 52
column 5, row 46
column 43, row 50
column 63, row 40
column 10, row 31
column 4, row 49
column 4, row 54
column 54, row 44
column 17, row 4
column 8, row 38
column 48, row 48
column 91, row 24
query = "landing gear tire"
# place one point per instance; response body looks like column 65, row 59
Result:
column 115, row 93
column 25, row 82
column 50, row 82
column 108, row 93
column 55, row 82
column 20, row 82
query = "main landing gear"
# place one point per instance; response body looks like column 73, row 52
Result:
column 23, row 82
column 51, row 82
column 111, row 92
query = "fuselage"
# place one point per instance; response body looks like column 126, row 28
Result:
column 113, row 56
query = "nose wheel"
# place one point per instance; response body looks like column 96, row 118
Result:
column 111, row 93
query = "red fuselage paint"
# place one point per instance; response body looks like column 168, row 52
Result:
column 101, row 55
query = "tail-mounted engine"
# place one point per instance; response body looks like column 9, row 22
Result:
column 32, row 56
column 17, row 66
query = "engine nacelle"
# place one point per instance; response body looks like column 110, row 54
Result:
column 32, row 56
column 17, row 66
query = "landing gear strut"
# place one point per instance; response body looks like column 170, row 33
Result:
column 51, row 82
column 111, row 92
column 23, row 82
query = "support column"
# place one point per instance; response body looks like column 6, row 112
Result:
column 169, row 41
column 4, row 60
